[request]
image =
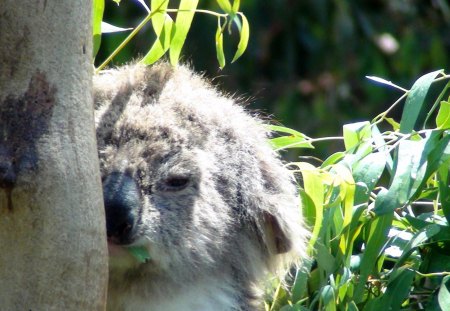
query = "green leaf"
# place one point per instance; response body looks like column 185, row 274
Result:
column 415, row 103
column 162, row 25
column 375, row 241
column 236, row 4
column 294, row 140
column 314, row 188
column 140, row 253
column 443, row 116
column 301, row 277
column 333, row 159
column 244, row 33
column 219, row 45
column 181, row 27
column 328, row 298
column 98, row 8
column 108, row 28
column 397, row 291
column 418, row 239
column 282, row 129
column 225, row 6
column 444, row 190
column 444, row 293
column 410, row 167
column 368, row 171
column 286, row 142
column 357, row 138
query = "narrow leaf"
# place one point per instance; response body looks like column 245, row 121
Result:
column 443, row 116
column 244, row 33
column 144, row 5
column 314, row 188
column 415, row 103
column 286, row 142
column 282, row 129
column 357, row 137
column 444, row 293
column 225, row 6
column 162, row 25
column 219, row 46
column 108, row 28
column 384, row 81
column 410, row 168
column 376, row 239
column 161, row 44
column 368, row 171
column 236, row 4
column 98, row 8
column 181, row 28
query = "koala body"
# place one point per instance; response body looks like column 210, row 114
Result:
column 190, row 176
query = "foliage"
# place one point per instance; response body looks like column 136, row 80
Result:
column 170, row 34
column 379, row 210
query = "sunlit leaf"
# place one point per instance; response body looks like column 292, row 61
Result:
column 108, row 28
column 225, row 6
column 144, row 5
column 282, row 129
column 98, row 7
column 443, row 116
column 285, row 142
column 313, row 186
column 244, row 33
column 368, row 170
column 236, row 4
column 415, row 105
column 444, row 293
column 181, row 27
column 357, row 137
column 219, row 46
column 384, row 81
column 162, row 25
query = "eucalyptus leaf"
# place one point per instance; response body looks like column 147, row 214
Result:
column 185, row 14
column 415, row 105
column 244, row 33
column 443, row 116
column 162, row 25
column 98, row 8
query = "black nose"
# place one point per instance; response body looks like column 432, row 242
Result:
column 122, row 204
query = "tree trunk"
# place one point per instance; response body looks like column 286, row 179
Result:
column 52, row 232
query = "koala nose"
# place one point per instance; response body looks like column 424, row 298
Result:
column 122, row 204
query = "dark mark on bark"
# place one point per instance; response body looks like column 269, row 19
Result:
column 23, row 121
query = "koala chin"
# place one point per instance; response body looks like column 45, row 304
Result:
column 189, row 175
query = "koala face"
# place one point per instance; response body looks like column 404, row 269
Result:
column 189, row 175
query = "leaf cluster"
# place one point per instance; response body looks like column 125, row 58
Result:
column 171, row 32
column 379, row 210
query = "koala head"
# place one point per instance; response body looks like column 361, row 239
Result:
column 188, row 174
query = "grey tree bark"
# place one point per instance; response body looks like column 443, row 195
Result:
column 53, row 246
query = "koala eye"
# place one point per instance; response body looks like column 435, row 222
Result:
column 175, row 183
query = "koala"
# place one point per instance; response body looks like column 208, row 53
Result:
column 189, row 175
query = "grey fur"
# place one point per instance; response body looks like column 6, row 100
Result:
column 204, row 192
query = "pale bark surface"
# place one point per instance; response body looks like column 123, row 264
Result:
column 53, row 246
